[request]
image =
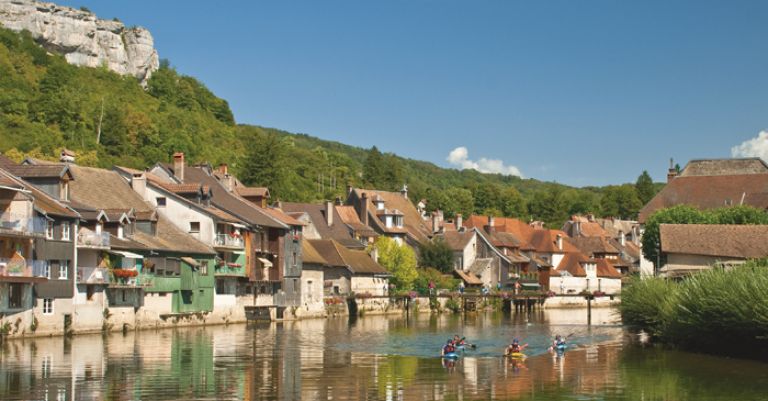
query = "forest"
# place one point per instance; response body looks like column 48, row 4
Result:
column 109, row 119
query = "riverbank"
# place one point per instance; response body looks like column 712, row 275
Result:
column 121, row 319
column 716, row 311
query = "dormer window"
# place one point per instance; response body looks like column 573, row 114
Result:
column 64, row 190
column 99, row 227
column 399, row 221
column 379, row 202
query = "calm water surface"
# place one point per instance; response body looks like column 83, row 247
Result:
column 386, row 358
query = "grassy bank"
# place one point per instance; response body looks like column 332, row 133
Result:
column 716, row 311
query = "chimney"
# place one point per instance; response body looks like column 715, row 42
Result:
column 576, row 228
column 223, row 169
column 139, row 183
column 329, row 213
column 228, row 181
column 672, row 172
column 404, row 191
column 591, row 218
column 491, row 221
column 67, row 156
column 459, row 222
column 338, row 201
column 178, row 165
column 559, row 240
column 435, row 222
column 364, row 209
column 622, row 238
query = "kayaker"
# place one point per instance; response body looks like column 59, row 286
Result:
column 449, row 348
column 558, row 342
column 458, row 341
column 515, row 347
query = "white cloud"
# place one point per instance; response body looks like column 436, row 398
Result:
column 460, row 157
column 755, row 147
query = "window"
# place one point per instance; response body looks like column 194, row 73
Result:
column 123, row 297
column 64, row 193
column 63, row 269
column 194, row 226
column 120, row 231
column 15, row 295
column 99, row 227
column 47, row 306
column 49, row 229
column 204, row 267
column 160, row 201
column 294, row 259
column 89, row 292
column 47, row 270
column 65, row 231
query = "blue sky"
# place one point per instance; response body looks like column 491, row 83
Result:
column 578, row 92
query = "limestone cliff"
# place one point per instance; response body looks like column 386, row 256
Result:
column 82, row 38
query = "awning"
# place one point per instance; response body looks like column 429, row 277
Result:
column 265, row 262
column 238, row 225
column 190, row 261
column 126, row 254
column 530, row 285
column 239, row 252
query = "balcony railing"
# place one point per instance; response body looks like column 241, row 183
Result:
column 23, row 268
column 93, row 239
column 93, row 275
column 228, row 240
column 22, row 224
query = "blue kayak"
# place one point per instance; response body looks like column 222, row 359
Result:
column 451, row 355
column 561, row 347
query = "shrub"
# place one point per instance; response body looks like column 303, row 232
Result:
column 646, row 304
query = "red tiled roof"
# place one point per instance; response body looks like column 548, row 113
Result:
column 708, row 192
column 571, row 263
column 252, row 191
column 414, row 225
column 606, row 269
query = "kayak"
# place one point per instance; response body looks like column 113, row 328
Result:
column 516, row 355
column 561, row 347
column 451, row 355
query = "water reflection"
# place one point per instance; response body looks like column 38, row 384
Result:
column 388, row 358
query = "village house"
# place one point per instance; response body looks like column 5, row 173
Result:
column 390, row 214
column 577, row 273
column 689, row 248
column 323, row 221
column 350, row 271
column 50, row 187
column 158, row 269
column 312, row 282
column 709, row 184
column 22, row 224
column 189, row 208
column 275, row 251
column 623, row 235
column 477, row 261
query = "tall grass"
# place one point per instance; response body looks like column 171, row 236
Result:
column 716, row 311
column 647, row 304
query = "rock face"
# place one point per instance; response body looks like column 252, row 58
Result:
column 82, row 38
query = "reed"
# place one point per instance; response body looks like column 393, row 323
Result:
column 721, row 311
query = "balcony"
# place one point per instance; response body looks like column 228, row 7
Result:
column 228, row 241
column 20, row 224
column 93, row 275
column 90, row 239
column 19, row 267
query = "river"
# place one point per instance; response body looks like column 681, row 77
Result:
column 372, row 357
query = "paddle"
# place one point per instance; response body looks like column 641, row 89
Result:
column 473, row 346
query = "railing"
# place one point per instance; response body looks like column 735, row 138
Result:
column 93, row 275
column 228, row 240
column 23, row 268
column 90, row 238
column 22, row 223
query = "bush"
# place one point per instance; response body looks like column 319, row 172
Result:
column 646, row 304
column 427, row 275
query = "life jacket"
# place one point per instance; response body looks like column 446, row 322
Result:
column 515, row 347
column 448, row 348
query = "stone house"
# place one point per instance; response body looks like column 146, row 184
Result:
column 689, row 248
column 350, row 271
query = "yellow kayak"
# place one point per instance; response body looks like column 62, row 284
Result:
column 516, row 355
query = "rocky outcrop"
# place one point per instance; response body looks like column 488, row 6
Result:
column 82, row 38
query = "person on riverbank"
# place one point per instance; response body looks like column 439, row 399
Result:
column 461, row 287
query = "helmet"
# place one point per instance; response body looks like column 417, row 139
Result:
column 515, row 341
column 557, row 336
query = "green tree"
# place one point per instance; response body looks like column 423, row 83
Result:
column 620, row 201
column 488, row 196
column 513, row 204
column 266, row 165
column 400, row 260
column 436, row 254
column 373, row 169
column 645, row 188
column 461, row 201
